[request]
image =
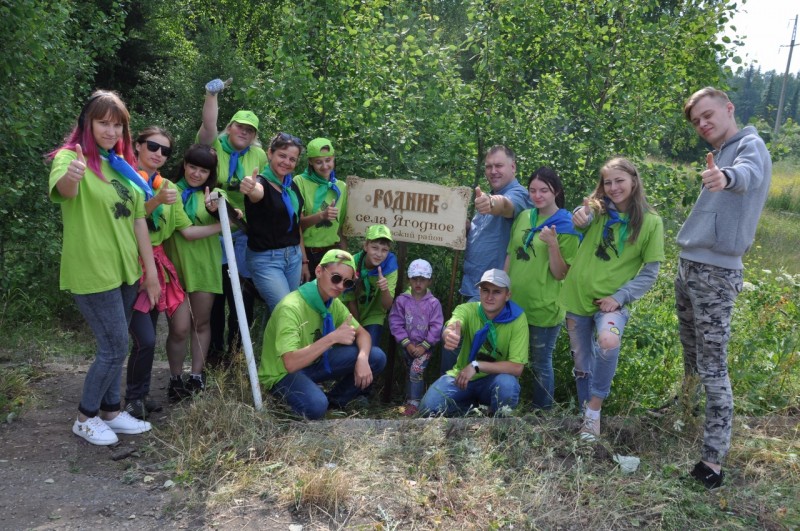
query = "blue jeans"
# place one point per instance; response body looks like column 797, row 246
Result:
column 375, row 331
column 140, row 363
column 108, row 314
column 415, row 377
column 542, row 344
column 449, row 357
column 239, row 239
column 595, row 358
column 304, row 396
column 445, row 398
column 276, row 272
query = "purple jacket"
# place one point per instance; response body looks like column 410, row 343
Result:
column 416, row 320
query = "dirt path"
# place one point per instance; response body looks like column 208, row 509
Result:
column 52, row 479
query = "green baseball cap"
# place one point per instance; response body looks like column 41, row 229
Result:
column 315, row 148
column 376, row 232
column 245, row 117
column 337, row 256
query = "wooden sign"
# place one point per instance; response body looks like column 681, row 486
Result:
column 415, row 211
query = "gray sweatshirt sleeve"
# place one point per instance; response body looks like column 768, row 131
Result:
column 636, row 287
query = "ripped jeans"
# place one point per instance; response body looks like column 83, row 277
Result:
column 595, row 356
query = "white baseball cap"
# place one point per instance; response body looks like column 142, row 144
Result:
column 420, row 268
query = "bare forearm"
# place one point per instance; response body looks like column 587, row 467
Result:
column 558, row 267
column 302, row 358
column 198, row 232
column 502, row 367
column 208, row 131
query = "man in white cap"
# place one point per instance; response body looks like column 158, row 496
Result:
column 494, row 337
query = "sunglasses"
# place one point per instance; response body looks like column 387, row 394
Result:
column 154, row 146
column 286, row 137
column 336, row 278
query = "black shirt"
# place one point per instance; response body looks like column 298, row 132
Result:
column 268, row 220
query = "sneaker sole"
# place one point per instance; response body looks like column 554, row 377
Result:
column 130, row 431
column 77, row 431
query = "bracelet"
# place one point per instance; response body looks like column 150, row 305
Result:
column 491, row 203
column 305, row 262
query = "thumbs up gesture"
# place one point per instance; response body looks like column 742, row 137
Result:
column 248, row 184
column 331, row 212
column 215, row 86
column 453, row 336
column 483, row 202
column 345, row 334
column 714, row 180
column 167, row 195
column 77, row 167
column 382, row 283
column 583, row 215
column 549, row 235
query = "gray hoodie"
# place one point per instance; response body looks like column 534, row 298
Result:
column 722, row 225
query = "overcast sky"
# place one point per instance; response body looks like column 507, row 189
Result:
column 766, row 25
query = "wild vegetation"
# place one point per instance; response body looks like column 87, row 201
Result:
column 419, row 90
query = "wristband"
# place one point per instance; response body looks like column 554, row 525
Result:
column 305, row 262
column 405, row 342
column 476, row 366
column 426, row 345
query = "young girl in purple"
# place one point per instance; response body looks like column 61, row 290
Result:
column 416, row 321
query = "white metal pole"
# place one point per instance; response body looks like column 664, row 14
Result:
column 244, row 330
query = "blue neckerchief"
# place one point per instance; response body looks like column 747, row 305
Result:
column 561, row 218
column 613, row 218
column 188, row 198
column 121, row 166
column 234, row 168
column 288, row 196
column 310, row 293
column 389, row 265
column 510, row 311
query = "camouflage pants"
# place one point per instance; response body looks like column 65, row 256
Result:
column 704, row 298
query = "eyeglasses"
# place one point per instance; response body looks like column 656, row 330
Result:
column 286, row 137
column 336, row 278
column 154, row 146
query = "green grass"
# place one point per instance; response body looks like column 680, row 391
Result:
column 528, row 472
column 777, row 243
column 784, row 193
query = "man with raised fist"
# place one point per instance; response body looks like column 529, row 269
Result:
column 718, row 231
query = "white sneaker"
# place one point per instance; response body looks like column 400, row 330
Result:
column 95, row 431
column 126, row 424
column 590, row 430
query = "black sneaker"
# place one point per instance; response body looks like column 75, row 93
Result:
column 136, row 408
column 177, row 389
column 195, row 384
column 151, row 405
column 710, row 479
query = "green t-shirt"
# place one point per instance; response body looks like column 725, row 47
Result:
column 533, row 286
column 254, row 158
column 99, row 250
column 593, row 277
column 197, row 261
column 293, row 325
column 512, row 338
column 325, row 233
column 171, row 218
column 371, row 312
